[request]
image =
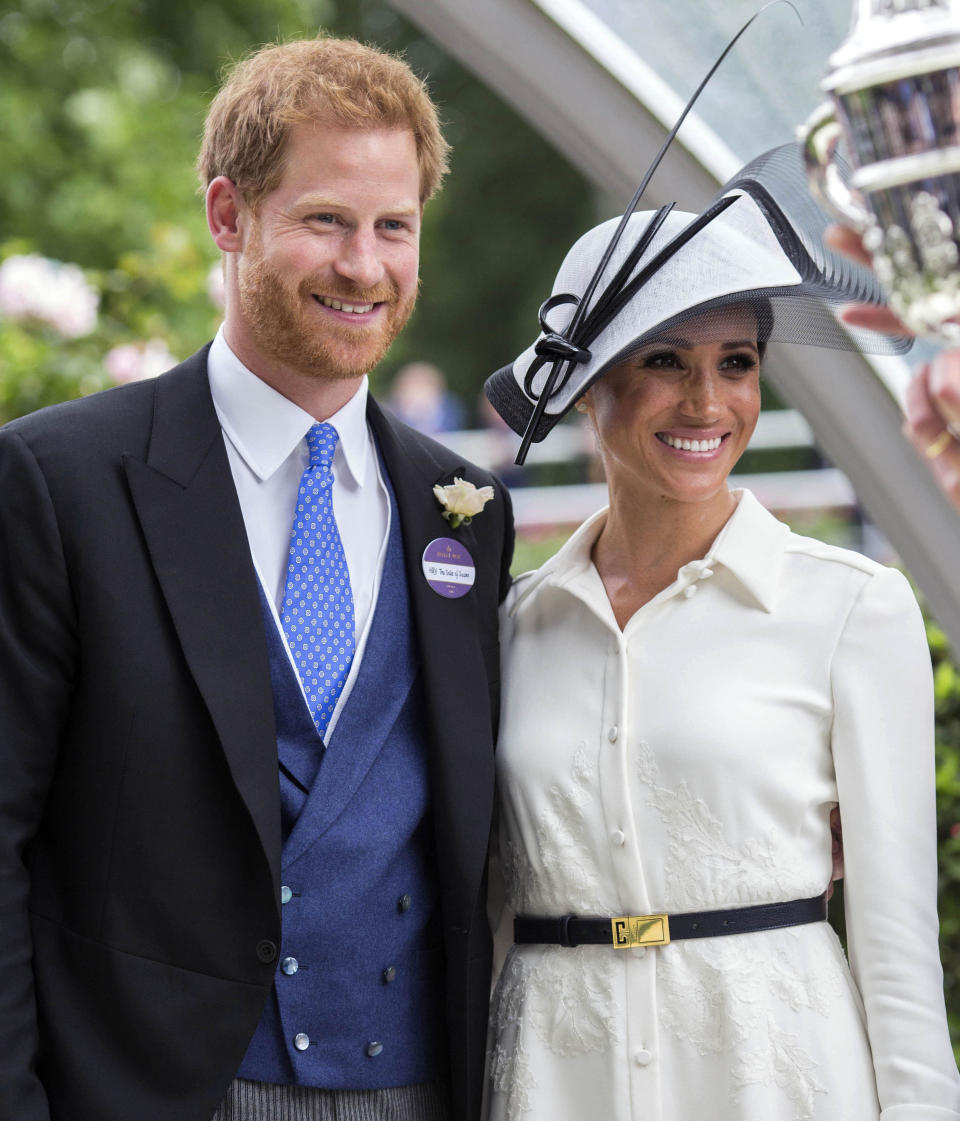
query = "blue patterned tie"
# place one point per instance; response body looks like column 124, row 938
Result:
column 317, row 610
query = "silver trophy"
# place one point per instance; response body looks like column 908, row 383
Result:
column 894, row 99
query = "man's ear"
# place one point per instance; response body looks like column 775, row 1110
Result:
column 224, row 205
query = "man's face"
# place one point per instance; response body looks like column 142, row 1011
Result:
column 328, row 272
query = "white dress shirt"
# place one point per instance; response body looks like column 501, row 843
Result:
column 690, row 762
column 265, row 436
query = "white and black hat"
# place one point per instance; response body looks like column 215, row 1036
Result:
column 627, row 281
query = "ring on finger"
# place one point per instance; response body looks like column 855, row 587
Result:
column 939, row 445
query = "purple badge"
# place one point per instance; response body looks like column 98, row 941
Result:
column 448, row 567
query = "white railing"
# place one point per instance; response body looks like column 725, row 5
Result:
column 779, row 491
column 536, row 506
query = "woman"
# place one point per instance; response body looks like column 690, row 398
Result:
column 689, row 690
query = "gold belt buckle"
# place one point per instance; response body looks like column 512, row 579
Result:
column 630, row 931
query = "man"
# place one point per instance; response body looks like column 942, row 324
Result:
column 246, row 748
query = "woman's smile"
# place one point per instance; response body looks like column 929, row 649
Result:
column 695, row 445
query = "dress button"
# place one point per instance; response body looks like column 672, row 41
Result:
column 286, row 894
column 639, row 951
column 301, row 1041
column 613, row 733
column 403, row 904
column 691, row 591
column 289, row 966
column 618, row 837
column 266, row 951
column 643, row 1058
column 374, row 1049
column 389, row 974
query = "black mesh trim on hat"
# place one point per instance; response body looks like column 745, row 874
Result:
column 806, row 317
column 803, row 313
column 512, row 404
column 783, row 315
column 776, row 180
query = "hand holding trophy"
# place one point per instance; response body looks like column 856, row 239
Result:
column 894, row 97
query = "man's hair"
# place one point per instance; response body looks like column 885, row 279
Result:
column 337, row 82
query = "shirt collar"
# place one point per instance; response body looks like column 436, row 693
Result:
column 573, row 559
column 750, row 547
column 265, row 427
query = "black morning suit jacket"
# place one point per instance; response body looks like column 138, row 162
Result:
column 139, row 804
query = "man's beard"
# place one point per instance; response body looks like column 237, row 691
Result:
column 287, row 329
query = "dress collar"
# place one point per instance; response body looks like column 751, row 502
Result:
column 750, row 547
column 265, row 427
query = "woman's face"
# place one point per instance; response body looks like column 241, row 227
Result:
column 674, row 418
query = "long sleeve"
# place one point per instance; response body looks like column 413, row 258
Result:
column 37, row 651
column 882, row 746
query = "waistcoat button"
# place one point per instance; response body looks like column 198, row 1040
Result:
column 403, row 903
column 286, row 894
column 266, row 951
column 374, row 1049
column 389, row 974
column 301, row 1041
column 289, row 966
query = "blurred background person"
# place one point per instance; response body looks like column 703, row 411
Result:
column 419, row 397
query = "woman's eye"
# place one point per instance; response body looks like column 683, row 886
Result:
column 739, row 363
column 661, row 360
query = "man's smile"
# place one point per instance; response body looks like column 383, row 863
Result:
column 342, row 305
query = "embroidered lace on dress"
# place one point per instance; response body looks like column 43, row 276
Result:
column 703, row 867
column 569, row 880
column 714, row 996
column 567, row 998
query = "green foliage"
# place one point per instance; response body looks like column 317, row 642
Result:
column 946, row 679
column 103, row 103
column 533, row 549
column 37, row 370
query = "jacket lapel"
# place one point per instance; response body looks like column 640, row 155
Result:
column 190, row 514
column 456, row 698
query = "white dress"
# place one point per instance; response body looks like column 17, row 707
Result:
column 691, row 762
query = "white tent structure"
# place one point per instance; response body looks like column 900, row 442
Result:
column 604, row 80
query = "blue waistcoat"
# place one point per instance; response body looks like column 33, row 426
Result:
column 357, row 1002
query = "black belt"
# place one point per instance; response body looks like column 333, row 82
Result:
column 626, row 931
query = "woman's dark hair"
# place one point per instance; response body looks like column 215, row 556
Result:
column 763, row 310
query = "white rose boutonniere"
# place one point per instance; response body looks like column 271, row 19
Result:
column 462, row 501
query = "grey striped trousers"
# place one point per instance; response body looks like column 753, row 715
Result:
column 267, row 1101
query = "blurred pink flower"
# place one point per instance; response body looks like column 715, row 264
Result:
column 136, row 361
column 38, row 288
